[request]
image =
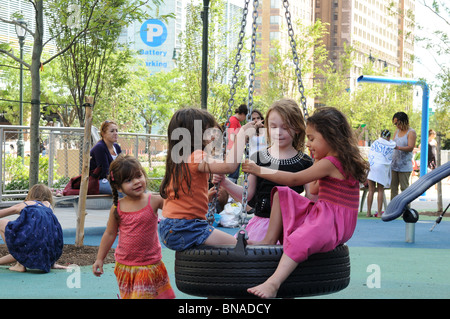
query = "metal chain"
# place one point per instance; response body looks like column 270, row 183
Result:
column 236, row 69
column 295, row 58
column 212, row 204
column 243, row 213
column 251, row 77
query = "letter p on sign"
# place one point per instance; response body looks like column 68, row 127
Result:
column 153, row 32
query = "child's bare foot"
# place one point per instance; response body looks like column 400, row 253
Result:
column 265, row 290
column 18, row 267
column 57, row 266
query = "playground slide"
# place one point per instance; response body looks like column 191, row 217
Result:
column 396, row 206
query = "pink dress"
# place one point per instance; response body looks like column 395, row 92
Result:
column 316, row 227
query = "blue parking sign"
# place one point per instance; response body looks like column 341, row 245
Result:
column 153, row 32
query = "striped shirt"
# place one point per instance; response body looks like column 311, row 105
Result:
column 342, row 192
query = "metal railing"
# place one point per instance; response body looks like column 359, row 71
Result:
column 61, row 156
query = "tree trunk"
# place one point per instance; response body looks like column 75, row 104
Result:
column 35, row 94
column 81, row 214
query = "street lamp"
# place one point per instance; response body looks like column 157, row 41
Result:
column 21, row 34
column 204, row 89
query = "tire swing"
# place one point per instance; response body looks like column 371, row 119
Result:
column 228, row 271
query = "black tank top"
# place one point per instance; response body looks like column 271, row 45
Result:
column 261, row 199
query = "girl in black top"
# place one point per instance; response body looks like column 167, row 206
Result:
column 286, row 139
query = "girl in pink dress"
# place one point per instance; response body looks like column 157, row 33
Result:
column 303, row 226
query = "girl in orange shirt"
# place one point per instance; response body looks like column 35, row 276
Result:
column 184, row 188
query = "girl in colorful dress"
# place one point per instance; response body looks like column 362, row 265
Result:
column 190, row 161
column 303, row 226
column 140, row 272
column 35, row 238
column 286, row 136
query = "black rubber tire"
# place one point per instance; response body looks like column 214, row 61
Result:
column 226, row 272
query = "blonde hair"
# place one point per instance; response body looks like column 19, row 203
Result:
column 40, row 192
column 292, row 115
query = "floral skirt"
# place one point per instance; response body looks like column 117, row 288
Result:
column 143, row 282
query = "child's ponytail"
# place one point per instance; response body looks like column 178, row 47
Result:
column 114, row 191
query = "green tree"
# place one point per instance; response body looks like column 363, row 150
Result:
column 86, row 16
column 221, row 60
column 9, row 105
column 282, row 79
column 96, row 56
column 370, row 104
column 441, row 116
column 436, row 42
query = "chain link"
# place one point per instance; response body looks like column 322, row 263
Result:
column 251, row 88
column 212, row 204
column 293, row 44
column 236, row 69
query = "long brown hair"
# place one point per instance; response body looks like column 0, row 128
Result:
column 336, row 130
column 184, row 121
column 293, row 117
column 123, row 168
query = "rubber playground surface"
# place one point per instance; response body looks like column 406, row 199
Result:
column 406, row 270
column 383, row 266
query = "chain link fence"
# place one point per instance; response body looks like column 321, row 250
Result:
column 61, row 157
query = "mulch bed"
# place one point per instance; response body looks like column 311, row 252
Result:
column 81, row 256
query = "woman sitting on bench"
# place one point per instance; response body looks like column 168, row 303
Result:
column 104, row 152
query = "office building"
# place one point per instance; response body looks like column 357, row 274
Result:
column 380, row 33
column 272, row 32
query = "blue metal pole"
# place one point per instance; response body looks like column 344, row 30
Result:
column 425, row 127
column 425, row 110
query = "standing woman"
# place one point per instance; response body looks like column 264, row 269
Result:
column 402, row 164
column 104, row 152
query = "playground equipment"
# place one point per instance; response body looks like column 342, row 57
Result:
column 438, row 220
column 425, row 110
column 399, row 204
column 227, row 272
